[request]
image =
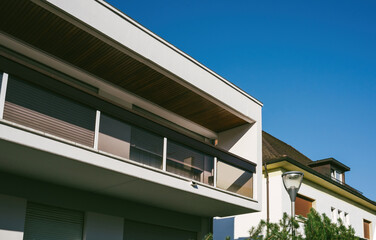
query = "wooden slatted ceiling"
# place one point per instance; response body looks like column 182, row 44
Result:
column 46, row 31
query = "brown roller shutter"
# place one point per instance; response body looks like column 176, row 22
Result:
column 366, row 226
column 302, row 205
column 46, row 111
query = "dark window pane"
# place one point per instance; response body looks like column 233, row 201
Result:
column 189, row 163
column 130, row 142
column 146, row 148
column 234, row 179
column 114, row 136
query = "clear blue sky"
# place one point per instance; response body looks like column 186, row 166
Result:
column 312, row 64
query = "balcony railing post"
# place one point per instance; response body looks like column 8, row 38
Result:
column 4, row 84
column 164, row 161
column 96, row 131
column 215, row 172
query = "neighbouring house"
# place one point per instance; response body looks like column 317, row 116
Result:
column 108, row 131
column 324, row 188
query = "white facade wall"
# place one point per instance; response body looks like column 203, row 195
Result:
column 325, row 200
column 246, row 141
column 139, row 43
column 238, row 226
column 243, row 223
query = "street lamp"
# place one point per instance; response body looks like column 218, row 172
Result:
column 292, row 181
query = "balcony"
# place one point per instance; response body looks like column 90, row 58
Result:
column 104, row 148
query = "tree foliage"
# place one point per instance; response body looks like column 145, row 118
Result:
column 315, row 227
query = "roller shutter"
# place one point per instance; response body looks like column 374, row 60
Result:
column 46, row 111
column 52, row 223
column 303, row 205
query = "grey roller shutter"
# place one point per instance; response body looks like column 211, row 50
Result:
column 52, row 223
column 46, row 111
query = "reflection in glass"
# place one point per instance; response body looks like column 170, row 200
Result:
column 146, row 148
column 114, row 136
column 124, row 140
column 234, row 179
column 189, row 163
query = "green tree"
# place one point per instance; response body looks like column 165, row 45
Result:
column 320, row 227
column 276, row 231
column 208, row 236
column 316, row 227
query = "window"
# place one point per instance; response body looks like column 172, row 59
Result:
column 114, row 136
column 336, row 175
column 367, row 229
column 124, row 140
column 334, row 214
column 340, row 215
column 347, row 219
column 303, row 205
column 234, row 179
column 44, row 222
column 146, row 148
column 189, row 163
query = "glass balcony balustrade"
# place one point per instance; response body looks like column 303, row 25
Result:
column 48, row 111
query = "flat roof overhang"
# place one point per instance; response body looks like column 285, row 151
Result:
column 54, row 35
column 40, row 156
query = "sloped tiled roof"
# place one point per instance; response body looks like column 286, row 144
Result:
column 273, row 148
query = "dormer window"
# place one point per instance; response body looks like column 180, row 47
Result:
column 336, row 175
column 331, row 168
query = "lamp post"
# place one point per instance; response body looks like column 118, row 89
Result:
column 292, row 181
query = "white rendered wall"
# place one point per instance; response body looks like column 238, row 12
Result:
column 12, row 217
column 223, row 227
column 280, row 203
column 100, row 226
column 325, row 200
column 246, row 141
column 238, row 226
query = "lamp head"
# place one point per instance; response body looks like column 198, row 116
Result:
column 292, row 181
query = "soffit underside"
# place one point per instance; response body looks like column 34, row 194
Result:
column 46, row 31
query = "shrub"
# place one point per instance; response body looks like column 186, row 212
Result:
column 316, row 227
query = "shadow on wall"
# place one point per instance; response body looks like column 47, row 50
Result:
column 223, row 227
column 12, row 217
column 227, row 139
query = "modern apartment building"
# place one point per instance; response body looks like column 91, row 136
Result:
column 108, row 131
column 324, row 188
